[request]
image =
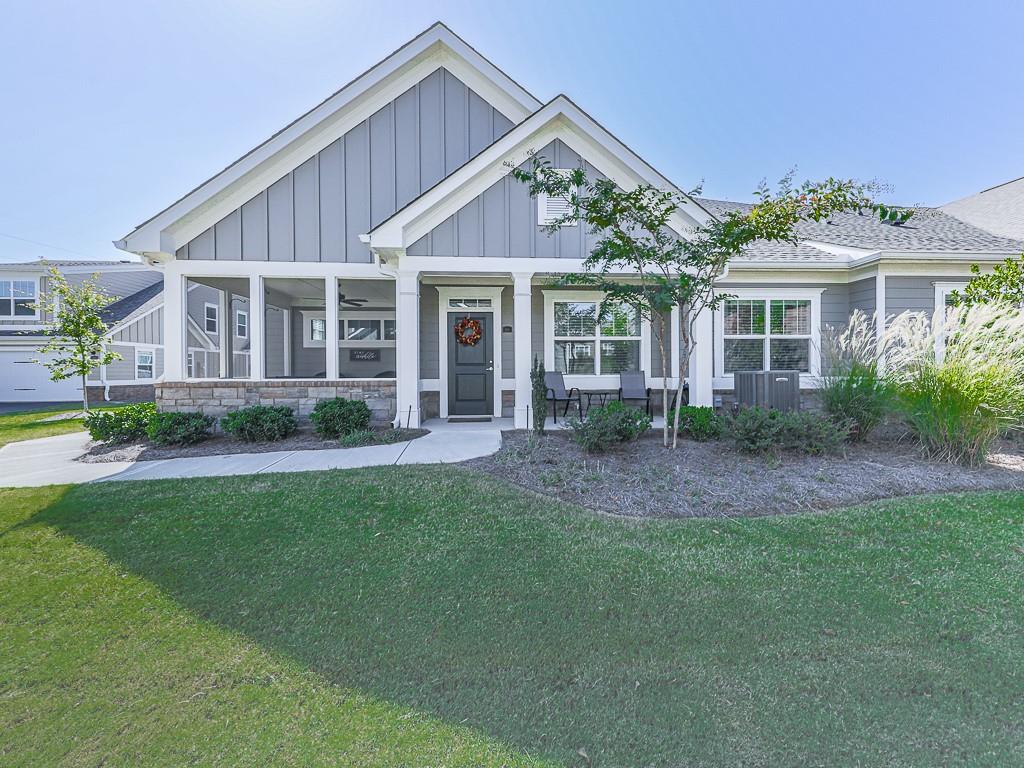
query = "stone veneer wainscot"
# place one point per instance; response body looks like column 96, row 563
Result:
column 216, row 398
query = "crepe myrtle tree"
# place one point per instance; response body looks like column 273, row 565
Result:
column 77, row 331
column 638, row 261
column 1003, row 285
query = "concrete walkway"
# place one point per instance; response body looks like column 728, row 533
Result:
column 51, row 460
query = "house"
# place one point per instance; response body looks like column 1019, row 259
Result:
column 998, row 209
column 340, row 256
column 135, row 322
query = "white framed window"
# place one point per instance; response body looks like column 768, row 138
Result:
column 17, row 299
column 190, row 364
column 551, row 209
column 241, row 324
column 461, row 303
column 145, row 363
column 211, row 318
column 769, row 329
column 318, row 329
column 578, row 344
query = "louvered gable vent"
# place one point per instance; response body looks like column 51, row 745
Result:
column 551, row 209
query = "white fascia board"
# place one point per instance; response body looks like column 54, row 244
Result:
column 953, row 257
column 318, row 128
column 848, row 251
column 559, row 119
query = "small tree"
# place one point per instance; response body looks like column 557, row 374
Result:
column 77, row 331
column 1003, row 285
column 641, row 262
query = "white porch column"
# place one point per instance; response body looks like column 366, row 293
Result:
column 257, row 319
column 522, row 294
column 224, row 321
column 333, row 331
column 407, row 343
column 174, row 324
column 702, row 357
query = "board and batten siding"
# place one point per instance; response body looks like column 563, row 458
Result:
column 502, row 222
column 147, row 329
column 318, row 211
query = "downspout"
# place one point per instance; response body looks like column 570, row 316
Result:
column 103, row 377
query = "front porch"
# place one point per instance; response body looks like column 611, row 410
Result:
column 289, row 334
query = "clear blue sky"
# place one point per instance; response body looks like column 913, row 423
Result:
column 111, row 110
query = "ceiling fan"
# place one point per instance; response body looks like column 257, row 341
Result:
column 350, row 302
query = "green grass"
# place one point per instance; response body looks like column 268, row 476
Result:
column 431, row 616
column 28, row 425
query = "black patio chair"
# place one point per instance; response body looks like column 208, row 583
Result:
column 633, row 387
column 557, row 393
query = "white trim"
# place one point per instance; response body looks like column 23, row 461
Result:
column 206, row 318
column 141, row 350
column 445, row 293
column 939, row 312
column 211, row 201
column 944, row 288
column 12, row 318
column 241, row 313
column 591, row 380
column 722, row 380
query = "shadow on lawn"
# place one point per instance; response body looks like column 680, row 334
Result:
column 461, row 597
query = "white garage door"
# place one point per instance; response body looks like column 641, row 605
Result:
column 23, row 381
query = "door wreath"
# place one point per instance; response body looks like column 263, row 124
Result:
column 468, row 331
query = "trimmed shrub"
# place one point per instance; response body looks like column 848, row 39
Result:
column 179, row 428
column 760, row 430
column 699, row 422
column 120, row 425
column 339, row 417
column 260, row 423
column 358, row 438
column 854, row 391
column 959, row 380
column 608, row 425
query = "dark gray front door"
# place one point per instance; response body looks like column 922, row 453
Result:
column 471, row 370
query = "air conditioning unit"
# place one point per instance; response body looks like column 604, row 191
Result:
column 768, row 389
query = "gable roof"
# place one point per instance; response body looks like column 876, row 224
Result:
column 559, row 119
column 124, row 308
column 435, row 47
column 929, row 230
column 998, row 209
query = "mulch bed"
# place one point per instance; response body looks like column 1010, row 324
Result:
column 303, row 440
column 712, row 479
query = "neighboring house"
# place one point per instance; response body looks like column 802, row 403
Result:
column 998, row 209
column 357, row 237
column 135, row 320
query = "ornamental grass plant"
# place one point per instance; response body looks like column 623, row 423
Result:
column 959, row 378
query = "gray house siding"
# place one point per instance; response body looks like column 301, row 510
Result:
column 862, row 296
column 318, row 211
column 909, row 294
column 428, row 332
column 503, row 222
column 147, row 329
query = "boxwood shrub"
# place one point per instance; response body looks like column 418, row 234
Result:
column 761, row 430
column 179, row 428
column 608, row 425
column 699, row 422
column 120, row 425
column 260, row 423
column 339, row 417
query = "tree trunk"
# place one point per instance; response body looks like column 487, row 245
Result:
column 684, row 361
column 664, row 378
column 85, row 395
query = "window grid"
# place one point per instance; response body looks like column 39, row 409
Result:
column 582, row 346
column 211, row 317
column 242, row 324
column 144, row 361
column 17, row 298
column 784, row 340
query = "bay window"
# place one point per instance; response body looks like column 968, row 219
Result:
column 772, row 331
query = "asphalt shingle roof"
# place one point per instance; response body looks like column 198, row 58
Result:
column 929, row 229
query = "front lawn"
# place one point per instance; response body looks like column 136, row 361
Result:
column 435, row 616
column 30, row 424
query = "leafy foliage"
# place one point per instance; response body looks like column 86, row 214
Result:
column 608, row 425
column 339, row 417
column 700, row 422
column 179, row 428
column 1003, row 285
column 853, row 389
column 959, row 379
column 260, row 423
column 120, row 425
column 75, row 343
column 641, row 260
column 762, row 430
column 539, row 395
